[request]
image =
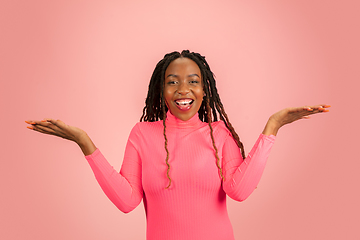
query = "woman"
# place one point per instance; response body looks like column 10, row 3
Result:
column 181, row 160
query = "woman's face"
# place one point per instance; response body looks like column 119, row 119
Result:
column 183, row 90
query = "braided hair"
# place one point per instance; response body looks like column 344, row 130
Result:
column 211, row 108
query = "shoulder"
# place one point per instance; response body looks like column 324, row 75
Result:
column 220, row 130
column 142, row 128
column 220, row 126
column 143, row 131
column 147, row 124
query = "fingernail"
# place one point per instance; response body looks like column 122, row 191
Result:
column 30, row 128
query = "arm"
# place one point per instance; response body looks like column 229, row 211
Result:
column 124, row 189
column 243, row 176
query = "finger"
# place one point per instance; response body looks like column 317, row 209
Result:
column 321, row 109
column 315, row 111
column 45, row 124
column 37, row 129
column 47, row 120
column 34, row 122
column 50, row 124
column 307, row 108
column 323, row 105
column 316, row 106
column 57, row 123
column 320, row 106
column 296, row 109
column 44, row 129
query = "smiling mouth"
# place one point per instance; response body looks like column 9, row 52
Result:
column 184, row 104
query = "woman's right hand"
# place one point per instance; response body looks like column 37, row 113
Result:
column 60, row 129
column 57, row 128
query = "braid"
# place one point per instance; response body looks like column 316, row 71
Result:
column 155, row 108
column 214, row 98
column 166, row 142
column 213, row 140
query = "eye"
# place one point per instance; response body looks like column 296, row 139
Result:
column 194, row 81
column 171, row 82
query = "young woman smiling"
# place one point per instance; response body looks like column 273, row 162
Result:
column 179, row 158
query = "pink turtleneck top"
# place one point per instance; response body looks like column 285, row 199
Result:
column 194, row 206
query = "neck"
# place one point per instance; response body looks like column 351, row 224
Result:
column 172, row 121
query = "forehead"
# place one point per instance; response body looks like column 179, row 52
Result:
column 182, row 65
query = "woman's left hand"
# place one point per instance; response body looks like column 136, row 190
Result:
column 289, row 115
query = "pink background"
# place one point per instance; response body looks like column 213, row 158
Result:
column 89, row 64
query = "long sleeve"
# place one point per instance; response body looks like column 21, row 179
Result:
column 243, row 176
column 124, row 189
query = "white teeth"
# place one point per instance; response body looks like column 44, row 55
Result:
column 184, row 102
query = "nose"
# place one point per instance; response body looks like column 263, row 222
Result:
column 183, row 89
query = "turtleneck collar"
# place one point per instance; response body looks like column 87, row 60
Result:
column 172, row 121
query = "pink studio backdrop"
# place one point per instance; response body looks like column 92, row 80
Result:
column 89, row 63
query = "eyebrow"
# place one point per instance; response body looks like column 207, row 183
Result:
column 191, row 75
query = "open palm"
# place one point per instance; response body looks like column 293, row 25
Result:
column 289, row 115
column 56, row 128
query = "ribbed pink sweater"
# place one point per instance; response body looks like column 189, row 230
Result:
column 194, row 207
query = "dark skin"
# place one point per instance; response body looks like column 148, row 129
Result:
column 275, row 122
column 182, row 83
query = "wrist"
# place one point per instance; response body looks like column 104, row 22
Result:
column 271, row 127
column 81, row 138
column 85, row 143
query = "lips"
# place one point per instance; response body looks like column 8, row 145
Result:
column 184, row 103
